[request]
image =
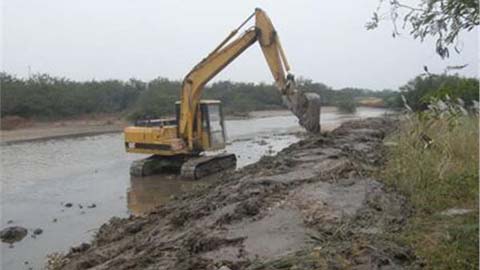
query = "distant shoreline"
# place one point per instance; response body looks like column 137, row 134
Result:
column 34, row 134
column 44, row 131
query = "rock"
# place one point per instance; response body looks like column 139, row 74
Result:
column 134, row 228
column 81, row 248
column 54, row 220
column 455, row 211
column 13, row 234
column 224, row 268
column 38, row 231
column 68, row 205
column 250, row 207
column 80, row 206
column 10, row 221
column 92, row 205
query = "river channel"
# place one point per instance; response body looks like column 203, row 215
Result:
column 40, row 179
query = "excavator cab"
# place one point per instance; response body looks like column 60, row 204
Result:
column 210, row 131
column 159, row 137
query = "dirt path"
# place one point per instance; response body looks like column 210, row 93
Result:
column 313, row 206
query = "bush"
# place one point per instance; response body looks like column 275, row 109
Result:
column 347, row 105
column 435, row 162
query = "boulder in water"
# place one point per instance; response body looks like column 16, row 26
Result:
column 13, row 234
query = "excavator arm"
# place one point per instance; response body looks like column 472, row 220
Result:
column 263, row 32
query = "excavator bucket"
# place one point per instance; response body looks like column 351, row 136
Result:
column 306, row 107
column 310, row 119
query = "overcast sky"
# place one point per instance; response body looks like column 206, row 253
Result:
column 324, row 40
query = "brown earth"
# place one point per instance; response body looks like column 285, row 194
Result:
column 315, row 205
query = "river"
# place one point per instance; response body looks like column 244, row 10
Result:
column 38, row 180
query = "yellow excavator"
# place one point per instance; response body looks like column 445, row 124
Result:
column 178, row 144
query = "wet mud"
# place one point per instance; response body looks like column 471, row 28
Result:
column 314, row 205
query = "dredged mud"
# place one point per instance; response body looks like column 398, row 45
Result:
column 315, row 205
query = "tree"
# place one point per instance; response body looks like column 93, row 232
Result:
column 419, row 91
column 46, row 97
column 441, row 19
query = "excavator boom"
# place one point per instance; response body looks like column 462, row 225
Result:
column 305, row 107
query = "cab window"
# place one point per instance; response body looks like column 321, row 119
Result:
column 217, row 136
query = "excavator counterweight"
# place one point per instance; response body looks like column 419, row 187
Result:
column 180, row 145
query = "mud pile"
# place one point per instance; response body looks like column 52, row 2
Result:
column 313, row 206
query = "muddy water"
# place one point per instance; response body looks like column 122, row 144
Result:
column 39, row 179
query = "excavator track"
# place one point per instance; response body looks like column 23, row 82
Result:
column 196, row 168
column 191, row 168
column 155, row 165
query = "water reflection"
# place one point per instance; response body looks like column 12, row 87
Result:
column 146, row 193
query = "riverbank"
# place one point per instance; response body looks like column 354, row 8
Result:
column 314, row 205
column 39, row 131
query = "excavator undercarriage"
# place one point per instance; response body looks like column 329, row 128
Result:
column 189, row 167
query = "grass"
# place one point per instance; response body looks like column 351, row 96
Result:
column 434, row 162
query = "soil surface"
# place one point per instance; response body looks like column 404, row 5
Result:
column 315, row 205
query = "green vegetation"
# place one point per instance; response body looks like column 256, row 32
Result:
column 43, row 96
column 419, row 91
column 435, row 163
column 347, row 105
column 333, row 97
column 156, row 99
column 46, row 97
